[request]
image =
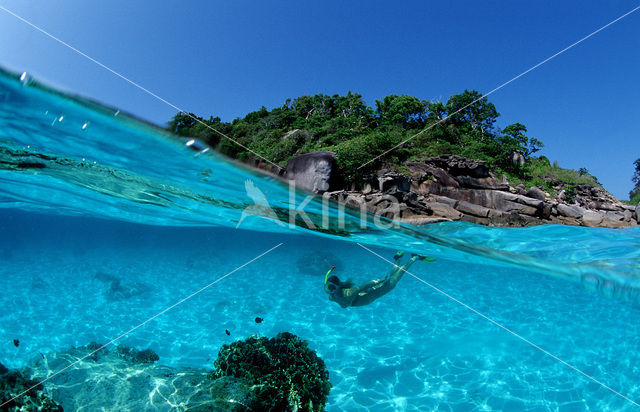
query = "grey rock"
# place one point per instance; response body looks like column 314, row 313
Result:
column 535, row 193
column 544, row 210
column 422, row 171
column 424, row 220
column 312, row 171
column 591, row 218
column 443, row 177
column 393, row 182
column 482, row 183
column 638, row 213
column 518, row 208
column 501, row 197
column 445, row 210
column 614, row 219
column 606, row 205
column 473, row 209
column 443, row 199
column 562, row 195
column 460, row 166
column 517, row 159
column 572, row 211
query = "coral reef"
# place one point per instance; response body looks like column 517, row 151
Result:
column 277, row 374
column 136, row 356
column 12, row 383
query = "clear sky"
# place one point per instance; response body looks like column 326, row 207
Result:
column 227, row 58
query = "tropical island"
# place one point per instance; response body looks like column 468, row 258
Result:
column 441, row 161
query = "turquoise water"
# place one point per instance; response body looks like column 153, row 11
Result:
column 89, row 195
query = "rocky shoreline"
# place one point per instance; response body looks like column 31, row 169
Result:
column 454, row 188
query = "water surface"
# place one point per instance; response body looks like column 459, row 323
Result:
column 91, row 198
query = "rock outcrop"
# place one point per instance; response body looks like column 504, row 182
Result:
column 312, row 171
column 456, row 188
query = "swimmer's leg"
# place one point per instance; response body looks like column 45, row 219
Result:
column 398, row 271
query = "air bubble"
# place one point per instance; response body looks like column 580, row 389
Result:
column 84, row 126
column 25, row 79
column 197, row 146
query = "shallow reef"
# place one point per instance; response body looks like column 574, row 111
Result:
column 277, row 374
column 255, row 374
column 13, row 383
column 120, row 378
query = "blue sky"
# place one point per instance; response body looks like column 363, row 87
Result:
column 230, row 58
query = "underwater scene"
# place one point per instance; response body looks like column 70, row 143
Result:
column 140, row 271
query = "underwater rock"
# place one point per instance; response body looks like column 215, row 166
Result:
column 134, row 355
column 117, row 289
column 13, row 383
column 115, row 382
column 233, row 394
column 280, row 373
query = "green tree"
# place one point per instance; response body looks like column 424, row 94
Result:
column 182, row 123
column 513, row 138
column 634, row 194
column 357, row 132
column 403, row 111
column 472, row 109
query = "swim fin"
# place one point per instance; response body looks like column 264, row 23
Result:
column 424, row 258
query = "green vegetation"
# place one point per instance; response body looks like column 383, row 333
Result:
column 634, row 194
column 538, row 171
column 357, row 133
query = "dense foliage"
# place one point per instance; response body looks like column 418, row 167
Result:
column 634, row 194
column 357, row 133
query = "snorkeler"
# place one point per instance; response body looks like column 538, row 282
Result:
column 347, row 294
